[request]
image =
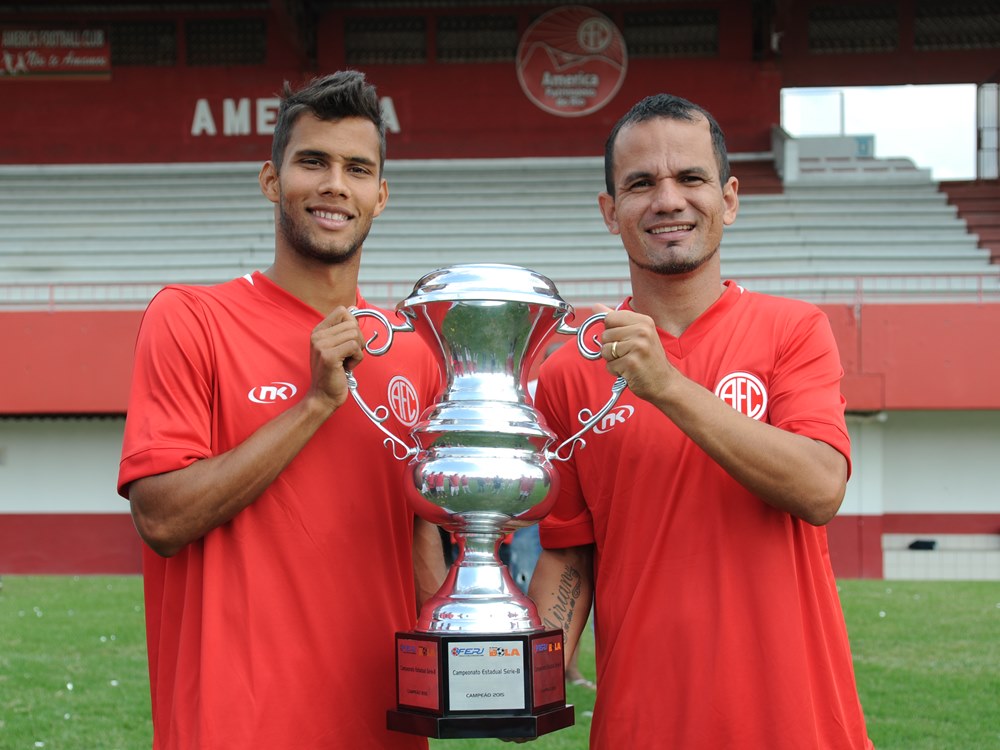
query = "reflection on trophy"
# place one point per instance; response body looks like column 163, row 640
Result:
column 479, row 662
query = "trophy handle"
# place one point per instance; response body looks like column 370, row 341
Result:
column 390, row 329
column 381, row 413
column 587, row 418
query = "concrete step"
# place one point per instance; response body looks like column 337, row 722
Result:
column 856, row 189
column 148, row 224
column 834, row 243
column 252, row 224
column 961, row 189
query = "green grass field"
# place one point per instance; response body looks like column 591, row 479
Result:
column 73, row 666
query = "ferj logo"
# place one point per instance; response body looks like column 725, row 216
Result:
column 409, row 648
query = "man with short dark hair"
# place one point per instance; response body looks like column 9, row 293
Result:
column 280, row 551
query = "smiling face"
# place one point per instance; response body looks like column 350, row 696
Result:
column 328, row 190
column 669, row 206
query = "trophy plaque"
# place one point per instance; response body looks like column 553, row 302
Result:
column 479, row 662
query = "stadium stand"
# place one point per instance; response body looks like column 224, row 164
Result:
column 97, row 238
column 113, row 234
column 978, row 203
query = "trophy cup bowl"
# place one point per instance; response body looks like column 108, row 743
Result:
column 479, row 662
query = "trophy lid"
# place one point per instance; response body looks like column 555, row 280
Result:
column 497, row 282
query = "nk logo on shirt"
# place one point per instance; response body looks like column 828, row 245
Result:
column 745, row 393
column 273, row 393
column 614, row 418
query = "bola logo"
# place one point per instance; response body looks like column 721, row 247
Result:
column 744, row 392
column 403, row 400
column 549, row 646
column 571, row 61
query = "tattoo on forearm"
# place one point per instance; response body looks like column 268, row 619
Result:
column 567, row 595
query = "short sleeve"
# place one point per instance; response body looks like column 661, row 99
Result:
column 168, row 424
column 805, row 392
column 569, row 523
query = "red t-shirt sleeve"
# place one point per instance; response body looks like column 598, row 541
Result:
column 168, row 425
column 569, row 523
column 805, row 388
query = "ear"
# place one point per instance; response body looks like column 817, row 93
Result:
column 383, row 197
column 607, row 205
column 731, row 199
column 268, row 179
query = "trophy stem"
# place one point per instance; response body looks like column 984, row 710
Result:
column 479, row 547
column 479, row 594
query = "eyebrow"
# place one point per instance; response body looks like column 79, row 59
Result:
column 316, row 153
column 645, row 174
column 310, row 152
column 633, row 176
column 696, row 171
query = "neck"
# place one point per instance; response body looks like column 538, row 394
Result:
column 674, row 302
column 322, row 286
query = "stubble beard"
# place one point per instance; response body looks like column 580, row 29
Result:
column 672, row 266
column 299, row 239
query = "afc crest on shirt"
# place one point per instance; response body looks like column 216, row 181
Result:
column 744, row 392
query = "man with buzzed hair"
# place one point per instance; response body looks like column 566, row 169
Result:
column 694, row 521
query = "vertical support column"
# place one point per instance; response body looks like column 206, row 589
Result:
column 987, row 130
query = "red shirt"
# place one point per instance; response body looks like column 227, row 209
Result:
column 276, row 629
column 717, row 617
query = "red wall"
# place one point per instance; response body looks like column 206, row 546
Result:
column 108, row 543
column 918, row 356
column 855, row 546
column 66, row 362
column 457, row 111
column 856, row 541
column 895, row 357
column 903, row 65
column 67, row 543
column 145, row 114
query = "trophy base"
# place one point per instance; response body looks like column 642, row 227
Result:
column 467, row 727
column 462, row 685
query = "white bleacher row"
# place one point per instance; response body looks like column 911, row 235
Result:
column 114, row 234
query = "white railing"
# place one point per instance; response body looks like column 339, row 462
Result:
column 832, row 289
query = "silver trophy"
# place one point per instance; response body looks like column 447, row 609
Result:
column 479, row 662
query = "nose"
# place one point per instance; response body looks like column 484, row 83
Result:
column 668, row 197
column 334, row 181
